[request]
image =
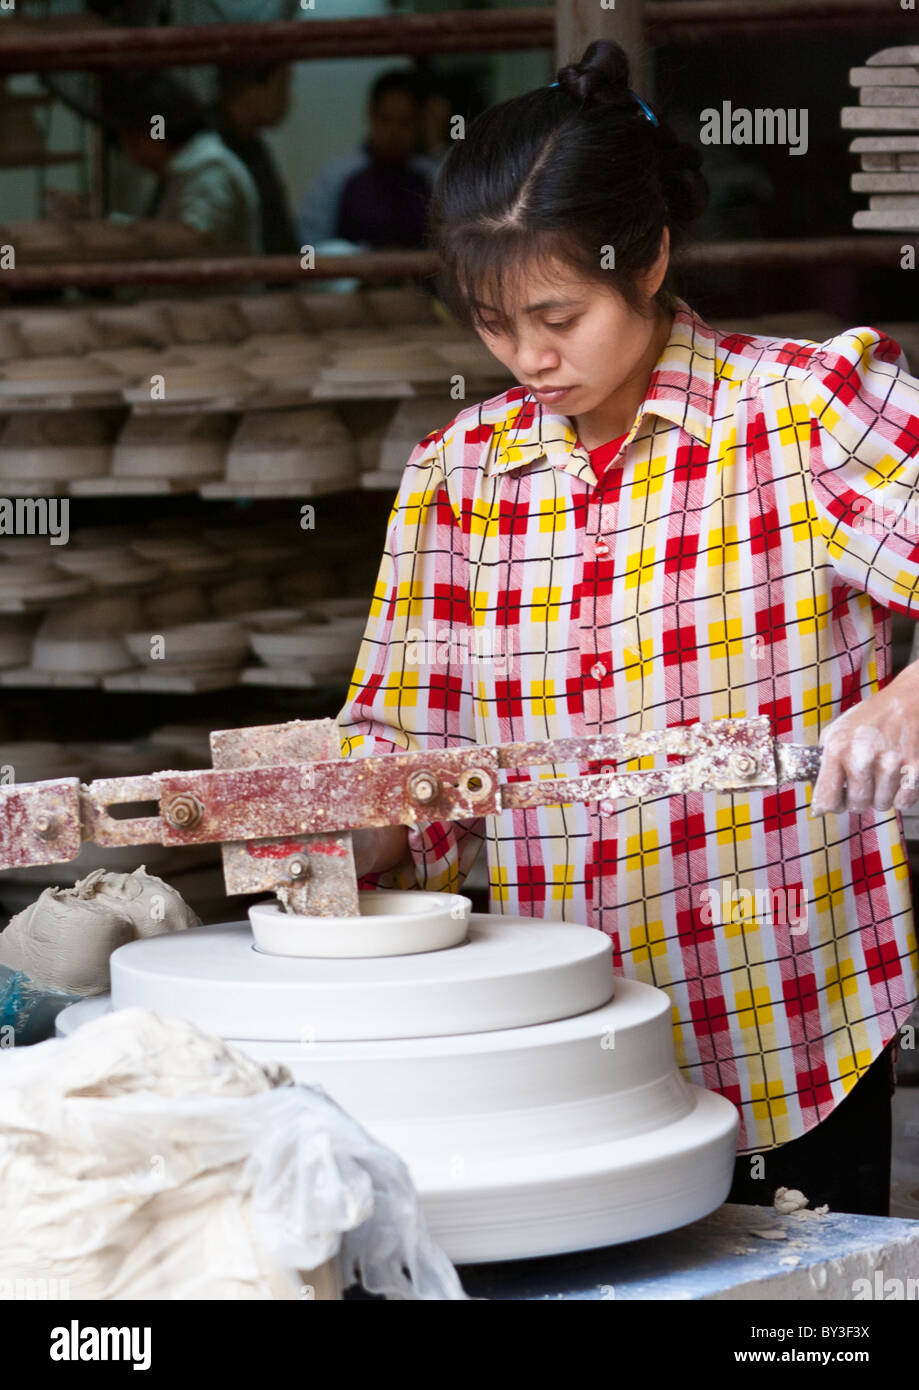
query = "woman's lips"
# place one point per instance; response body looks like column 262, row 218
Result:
column 550, row 395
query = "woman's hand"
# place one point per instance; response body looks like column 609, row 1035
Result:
column 871, row 753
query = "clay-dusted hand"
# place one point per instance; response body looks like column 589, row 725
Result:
column 871, row 753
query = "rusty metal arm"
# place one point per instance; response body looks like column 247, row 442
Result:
column 46, row 822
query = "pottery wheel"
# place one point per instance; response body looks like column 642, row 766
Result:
column 535, row 1099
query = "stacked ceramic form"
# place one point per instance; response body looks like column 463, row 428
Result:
column 411, row 422
column 535, row 1099
column 290, row 450
column 43, row 452
column 888, row 87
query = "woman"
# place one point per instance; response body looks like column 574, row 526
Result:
column 663, row 524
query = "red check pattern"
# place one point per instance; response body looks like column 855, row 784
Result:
column 720, row 567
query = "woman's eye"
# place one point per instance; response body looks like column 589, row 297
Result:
column 566, row 324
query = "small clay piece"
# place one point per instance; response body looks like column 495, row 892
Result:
column 789, row 1199
column 63, row 941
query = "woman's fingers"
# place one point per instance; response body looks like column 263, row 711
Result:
column 908, row 794
column 829, row 790
column 886, row 780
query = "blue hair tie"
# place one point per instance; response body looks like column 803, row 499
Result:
column 647, row 110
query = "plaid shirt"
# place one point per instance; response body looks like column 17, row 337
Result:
column 725, row 566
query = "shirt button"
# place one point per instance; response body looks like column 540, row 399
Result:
column 598, row 671
column 607, row 807
column 601, row 548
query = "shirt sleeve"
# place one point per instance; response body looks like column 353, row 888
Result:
column 862, row 405
column 412, row 688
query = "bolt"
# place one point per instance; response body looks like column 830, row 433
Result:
column 183, row 811
column 476, row 783
column 423, row 787
column 298, row 867
column 45, row 827
column 743, row 764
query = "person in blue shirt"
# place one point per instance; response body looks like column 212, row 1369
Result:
column 376, row 198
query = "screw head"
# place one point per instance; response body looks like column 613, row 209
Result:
column 743, row 764
column 183, row 811
column 423, row 787
column 298, row 866
column 45, row 827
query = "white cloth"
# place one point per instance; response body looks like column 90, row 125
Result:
column 144, row 1158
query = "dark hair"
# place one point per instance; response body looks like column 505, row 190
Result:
column 397, row 80
column 563, row 172
column 129, row 100
column 232, row 81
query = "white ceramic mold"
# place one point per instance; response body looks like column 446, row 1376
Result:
column 390, row 923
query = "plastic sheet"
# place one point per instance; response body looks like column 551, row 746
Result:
column 143, row 1158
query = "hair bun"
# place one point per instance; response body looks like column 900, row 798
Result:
column 601, row 76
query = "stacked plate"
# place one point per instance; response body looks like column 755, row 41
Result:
column 191, row 647
column 177, row 607
column 33, row 580
column 87, row 638
column 43, row 451
column 109, row 566
column 328, row 309
column 185, row 448
column 16, row 634
column 133, row 326
column 284, row 361
column 184, row 556
column 292, row 447
column 212, row 372
column 58, row 376
column 412, row 420
column 322, row 650
column 273, row 313
column 206, row 320
column 888, row 88
column 58, row 332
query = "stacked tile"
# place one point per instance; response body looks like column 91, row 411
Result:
column 888, row 102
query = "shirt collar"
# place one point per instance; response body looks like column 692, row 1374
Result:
column 681, row 390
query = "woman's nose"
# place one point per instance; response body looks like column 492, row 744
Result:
column 534, row 358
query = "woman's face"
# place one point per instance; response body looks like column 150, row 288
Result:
column 571, row 342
